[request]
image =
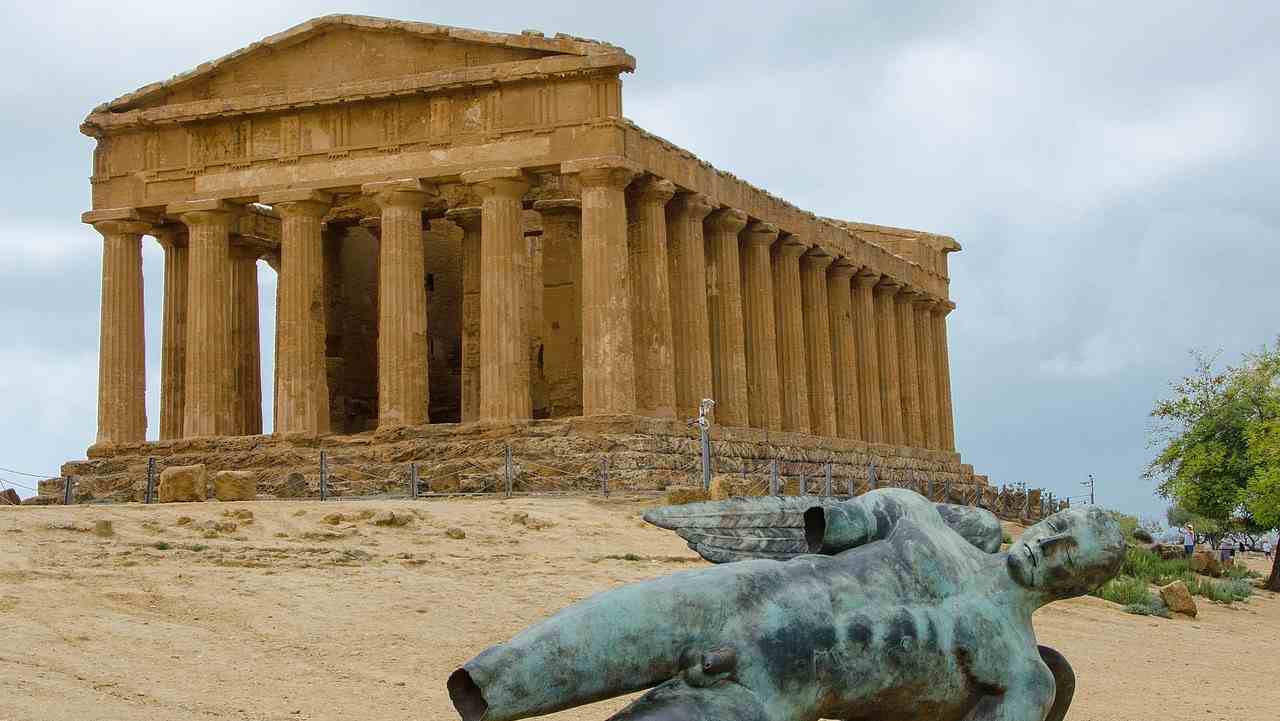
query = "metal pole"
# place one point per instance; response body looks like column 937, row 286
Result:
column 871, row 476
column 507, row 470
column 773, row 477
column 946, row 491
column 851, row 489
column 704, row 438
column 604, row 476
column 324, row 477
column 804, row 483
column 413, row 480
column 149, row 496
column 930, row 488
column 68, row 490
column 1026, row 502
column 826, row 486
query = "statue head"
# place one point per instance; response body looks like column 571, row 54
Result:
column 1068, row 554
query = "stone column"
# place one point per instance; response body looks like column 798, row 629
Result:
column 504, row 297
column 608, row 360
column 887, row 345
column 273, row 260
column 468, row 219
column 864, row 319
column 651, row 297
column 817, row 341
column 927, row 374
column 209, row 399
column 245, row 350
column 760, row 327
column 122, row 375
column 793, row 371
column 302, row 402
column 844, row 356
column 724, row 316
column 562, row 289
column 173, row 344
column 942, row 366
column 909, row 370
column 402, row 304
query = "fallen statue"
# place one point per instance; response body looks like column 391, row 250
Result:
column 881, row 608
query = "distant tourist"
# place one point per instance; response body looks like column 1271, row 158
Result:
column 1266, row 548
column 1189, row 540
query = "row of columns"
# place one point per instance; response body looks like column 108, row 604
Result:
column 677, row 300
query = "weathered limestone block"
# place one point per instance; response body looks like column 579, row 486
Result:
column 180, row 484
column 1206, row 563
column 9, row 497
column 235, row 486
column 1178, row 598
column 735, row 486
column 680, row 495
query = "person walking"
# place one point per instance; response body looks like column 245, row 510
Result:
column 1189, row 540
column 1266, row 548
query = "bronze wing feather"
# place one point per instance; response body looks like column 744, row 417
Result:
column 742, row 528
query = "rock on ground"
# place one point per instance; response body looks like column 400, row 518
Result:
column 183, row 484
column 9, row 497
column 1178, row 598
column 235, row 486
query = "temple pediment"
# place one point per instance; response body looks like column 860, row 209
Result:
column 350, row 55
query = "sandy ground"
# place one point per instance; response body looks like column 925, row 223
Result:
column 179, row 615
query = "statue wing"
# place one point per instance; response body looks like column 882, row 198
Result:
column 737, row 529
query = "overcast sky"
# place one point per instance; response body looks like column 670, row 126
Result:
column 1111, row 170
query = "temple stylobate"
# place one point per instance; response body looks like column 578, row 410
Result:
column 466, row 229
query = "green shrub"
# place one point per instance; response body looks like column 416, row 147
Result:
column 1155, row 608
column 1240, row 570
column 1005, row 538
column 1147, row 565
column 1126, row 591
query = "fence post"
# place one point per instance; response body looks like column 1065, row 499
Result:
column 946, row 491
column 149, row 495
column 413, row 480
column 604, row 476
column 851, row 488
column 1026, row 502
column 773, row 477
column 804, row 483
column 871, row 476
column 324, row 477
column 704, row 433
column 826, row 488
column 507, row 470
column 68, row 490
column 930, row 488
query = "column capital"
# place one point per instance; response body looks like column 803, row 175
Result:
column 406, row 193
column 942, row 307
column 209, row 206
column 758, row 232
column 169, row 235
column 888, row 286
column 866, row 277
column 298, row 201
column 912, row 295
column 729, row 220
column 652, row 189
column 558, row 205
column 817, row 259
column 504, row 182
column 466, row 218
column 612, row 171
column 93, row 217
column 842, row 268
column 372, row 224
column 696, row 205
column 122, row 227
column 790, row 246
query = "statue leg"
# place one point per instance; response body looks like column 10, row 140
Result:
column 1064, row 679
column 676, row 700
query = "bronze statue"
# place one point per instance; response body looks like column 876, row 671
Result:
column 881, row 608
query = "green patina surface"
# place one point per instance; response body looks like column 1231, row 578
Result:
column 881, row 608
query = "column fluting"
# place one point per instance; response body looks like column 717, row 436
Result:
column 208, row 408
column 909, row 372
column 245, row 342
column 468, row 219
column 793, row 370
column 302, row 403
column 864, row 317
column 817, row 339
column 651, row 297
column 844, row 355
column 687, row 271
column 942, row 366
column 724, row 316
column 764, row 405
column 562, row 279
column 887, row 346
column 927, row 372
column 173, row 343
column 122, row 382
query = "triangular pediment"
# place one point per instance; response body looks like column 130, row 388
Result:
column 338, row 50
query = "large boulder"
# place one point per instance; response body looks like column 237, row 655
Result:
column 1178, row 598
column 294, row 486
column 1206, row 563
column 680, row 495
column 235, row 486
column 183, row 484
column 9, row 497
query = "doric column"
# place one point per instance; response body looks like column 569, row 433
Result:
column 887, row 345
column 173, row 344
column 927, row 374
column 844, row 355
column 724, row 315
column 817, row 341
column 942, row 366
column 793, row 371
column 122, row 376
column 651, row 296
column 608, row 353
column 302, row 402
column 687, row 271
column 562, row 286
column 209, row 398
column 504, row 297
column 273, row 260
column 909, row 372
column 245, row 350
column 864, row 320
column 402, row 304
column 468, row 219
column 759, row 326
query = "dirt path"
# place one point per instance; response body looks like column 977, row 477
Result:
column 286, row 617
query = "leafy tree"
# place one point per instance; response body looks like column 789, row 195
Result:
column 1219, row 440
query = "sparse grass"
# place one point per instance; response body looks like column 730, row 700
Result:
column 1240, row 570
column 1154, row 608
column 162, row 546
column 1126, row 591
column 1005, row 538
column 1144, row 564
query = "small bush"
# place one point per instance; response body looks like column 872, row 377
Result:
column 1147, row 565
column 1155, row 608
column 1126, row 591
column 1239, row 571
column 1005, row 538
column 162, row 546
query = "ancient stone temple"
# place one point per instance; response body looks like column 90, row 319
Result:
column 472, row 242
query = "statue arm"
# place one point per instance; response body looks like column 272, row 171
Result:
column 861, row 520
